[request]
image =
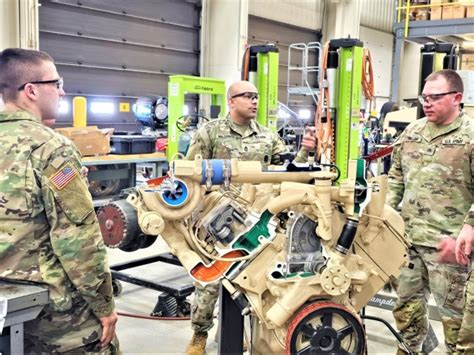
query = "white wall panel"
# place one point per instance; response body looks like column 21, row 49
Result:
column 410, row 71
column 302, row 13
column 380, row 45
column 8, row 24
column 377, row 14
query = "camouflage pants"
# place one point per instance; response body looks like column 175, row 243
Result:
column 445, row 281
column 202, row 310
column 76, row 331
column 466, row 333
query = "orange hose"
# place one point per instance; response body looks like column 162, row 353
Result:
column 368, row 77
column 323, row 130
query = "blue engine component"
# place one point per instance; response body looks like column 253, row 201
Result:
column 177, row 195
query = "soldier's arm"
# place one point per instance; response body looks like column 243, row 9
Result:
column 200, row 144
column 396, row 185
column 278, row 148
column 75, row 234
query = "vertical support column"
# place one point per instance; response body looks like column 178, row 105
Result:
column 397, row 58
column 223, row 38
column 347, row 123
column 175, row 110
column 344, row 15
column 231, row 329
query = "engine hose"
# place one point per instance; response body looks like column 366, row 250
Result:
column 246, row 64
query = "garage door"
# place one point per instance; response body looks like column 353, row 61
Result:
column 117, row 50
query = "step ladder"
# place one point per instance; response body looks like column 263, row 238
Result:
column 303, row 88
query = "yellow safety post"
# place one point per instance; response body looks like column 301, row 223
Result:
column 79, row 112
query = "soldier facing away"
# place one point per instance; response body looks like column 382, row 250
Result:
column 432, row 177
column 49, row 233
column 236, row 136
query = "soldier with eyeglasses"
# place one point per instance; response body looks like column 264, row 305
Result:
column 432, row 178
column 238, row 136
column 49, row 233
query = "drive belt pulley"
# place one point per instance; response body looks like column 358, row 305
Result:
column 325, row 328
column 119, row 226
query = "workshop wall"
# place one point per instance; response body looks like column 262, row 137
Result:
column 377, row 14
column 302, row 13
column 118, row 50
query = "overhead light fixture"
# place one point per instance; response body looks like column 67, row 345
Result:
column 304, row 114
column 63, row 107
column 102, row 107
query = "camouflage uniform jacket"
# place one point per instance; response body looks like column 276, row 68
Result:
column 431, row 175
column 224, row 139
column 49, row 232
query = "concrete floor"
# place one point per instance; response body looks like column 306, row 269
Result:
column 141, row 336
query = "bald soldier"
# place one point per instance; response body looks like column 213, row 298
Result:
column 238, row 136
column 49, row 234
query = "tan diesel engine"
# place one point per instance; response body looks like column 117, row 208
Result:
column 300, row 252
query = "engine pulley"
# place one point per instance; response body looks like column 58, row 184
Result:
column 119, row 227
column 325, row 328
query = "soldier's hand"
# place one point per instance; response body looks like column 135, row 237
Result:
column 464, row 244
column 108, row 328
column 446, row 251
column 309, row 139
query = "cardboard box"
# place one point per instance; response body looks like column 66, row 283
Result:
column 435, row 2
column 467, row 65
column 436, row 13
column 448, row 12
column 89, row 140
column 469, row 11
column 459, row 11
column 467, row 57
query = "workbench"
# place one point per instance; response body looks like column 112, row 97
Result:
column 124, row 166
column 19, row 303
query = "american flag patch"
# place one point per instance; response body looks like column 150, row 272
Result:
column 63, row 177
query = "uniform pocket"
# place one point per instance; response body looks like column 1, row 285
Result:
column 455, row 290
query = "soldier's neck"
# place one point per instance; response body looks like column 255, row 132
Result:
column 18, row 106
column 239, row 120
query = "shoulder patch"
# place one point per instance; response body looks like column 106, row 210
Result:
column 63, row 177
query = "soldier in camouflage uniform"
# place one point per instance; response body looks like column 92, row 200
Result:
column 431, row 176
column 236, row 136
column 49, row 234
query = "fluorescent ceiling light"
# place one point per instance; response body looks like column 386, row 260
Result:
column 304, row 114
column 63, row 107
column 105, row 107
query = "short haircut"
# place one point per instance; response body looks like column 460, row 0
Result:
column 453, row 79
column 17, row 67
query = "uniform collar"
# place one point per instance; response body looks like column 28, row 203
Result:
column 244, row 131
column 19, row 115
column 432, row 131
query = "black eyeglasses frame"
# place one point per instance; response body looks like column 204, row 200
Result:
column 59, row 83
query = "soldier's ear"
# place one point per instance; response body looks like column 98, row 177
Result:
column 31, row 92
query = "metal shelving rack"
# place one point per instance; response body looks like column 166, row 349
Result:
column 420, row 32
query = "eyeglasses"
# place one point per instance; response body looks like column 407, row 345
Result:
column 59, row 83
column 433, row 97
column 247, row 95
